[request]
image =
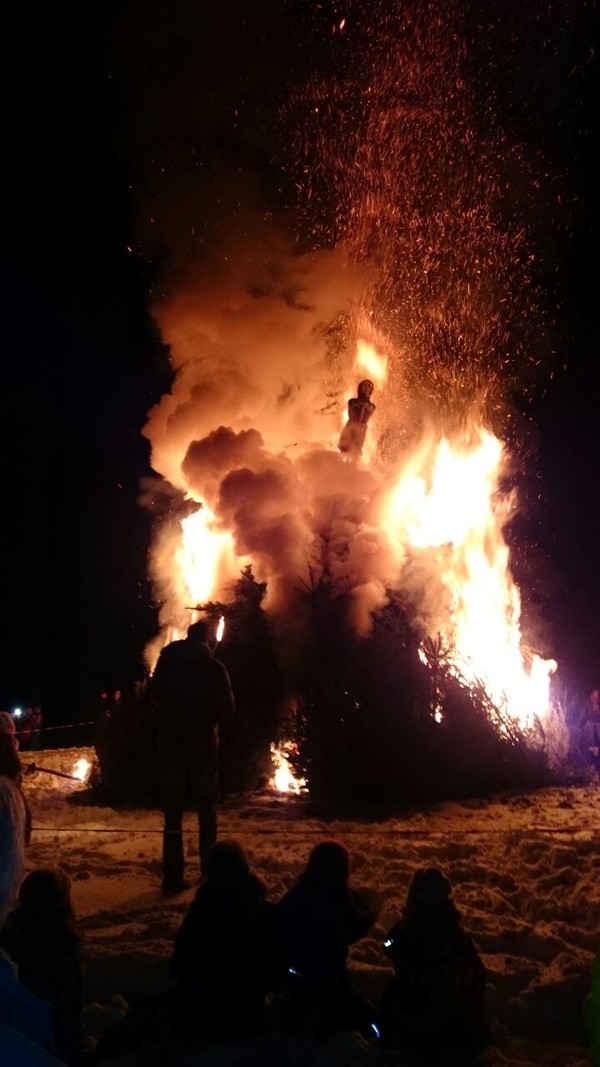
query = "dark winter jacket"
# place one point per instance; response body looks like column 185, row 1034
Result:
column 47, row 954
column 192, row 693
column 226, row 958
column 319, row 923
column 20, row 1010
column 437, row 995
column 10, row 764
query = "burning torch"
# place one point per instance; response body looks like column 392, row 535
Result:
column 80, row 771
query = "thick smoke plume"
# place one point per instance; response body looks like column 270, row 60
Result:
column 251, row 425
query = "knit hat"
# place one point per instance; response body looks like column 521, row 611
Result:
column 429, row 888
column 329, row 862
column 227, row 859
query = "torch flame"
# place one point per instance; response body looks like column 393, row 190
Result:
column 81, row 769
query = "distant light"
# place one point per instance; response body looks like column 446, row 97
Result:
column 221, row 628
column 17, row 712
column 375, row 1029
column 388, row 942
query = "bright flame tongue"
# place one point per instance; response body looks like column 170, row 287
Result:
column 370, row 363
column 81, row 769
column 457, row 512
column 200, row 553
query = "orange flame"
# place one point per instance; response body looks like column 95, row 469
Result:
column 81, row 769
column 370, row 362
column 283, row 778
column 447, row 504
column 200, row 554
column 444, row 508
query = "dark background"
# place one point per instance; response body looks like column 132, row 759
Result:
column 82, row 364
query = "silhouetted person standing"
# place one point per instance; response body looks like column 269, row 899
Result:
column 193, row 694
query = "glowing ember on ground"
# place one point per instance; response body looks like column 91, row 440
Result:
column 81, row 769
column 283, row 778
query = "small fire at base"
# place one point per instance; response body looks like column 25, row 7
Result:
column 283, row 779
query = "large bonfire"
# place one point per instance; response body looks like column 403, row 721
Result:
column 416, row 280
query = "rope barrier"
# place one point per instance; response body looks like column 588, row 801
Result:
column 349, row 833
column 65, row 726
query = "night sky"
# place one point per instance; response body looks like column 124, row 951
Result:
column 106, row 105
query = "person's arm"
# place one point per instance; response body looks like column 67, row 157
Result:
column 160, row 680
column 187, row 948
column 10, row 764
column 225, row 702
column 360, row 917
column 18, row 1051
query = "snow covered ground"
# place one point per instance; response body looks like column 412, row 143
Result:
column 525, row 871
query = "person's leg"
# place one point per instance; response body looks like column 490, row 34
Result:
column 173, row 859
column 207, row 827
column 206, row 791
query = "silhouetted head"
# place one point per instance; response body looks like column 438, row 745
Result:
column 429, row 894
column 47, row 893
column 365, row 389
column 329, row 864
column 227, row 860
column 7, row 723
column 198, row 633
